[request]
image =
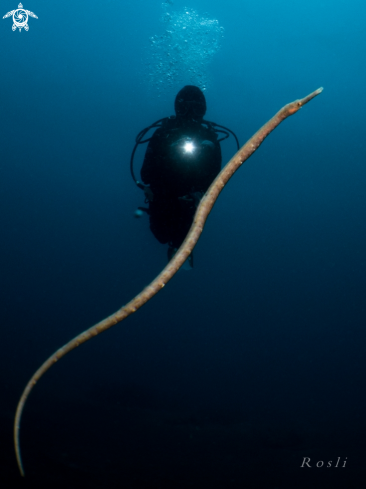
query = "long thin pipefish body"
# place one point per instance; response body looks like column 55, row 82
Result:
column 174, row 265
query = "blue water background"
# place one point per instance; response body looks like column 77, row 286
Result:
column 268, row 330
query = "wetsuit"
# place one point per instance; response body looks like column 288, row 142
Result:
column 179, row 177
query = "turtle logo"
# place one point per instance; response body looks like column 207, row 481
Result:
column 20, row 17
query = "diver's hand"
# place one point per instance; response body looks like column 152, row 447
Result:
column 197, row 196
column 193, row 198
column 148, row 194
column 206, row 144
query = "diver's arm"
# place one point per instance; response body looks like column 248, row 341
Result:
column 149, row 171
column 147, row 166
column 215, row 166
column 146, row 172
column 217, row 158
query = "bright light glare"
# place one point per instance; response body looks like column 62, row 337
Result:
column 189, row 147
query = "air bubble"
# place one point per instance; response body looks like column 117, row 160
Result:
column 182, row 55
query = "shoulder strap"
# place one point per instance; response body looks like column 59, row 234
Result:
column 213, row 126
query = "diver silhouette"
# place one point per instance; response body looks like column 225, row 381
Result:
column 182, row 159
column 171, row 268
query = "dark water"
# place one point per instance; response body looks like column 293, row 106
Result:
column 239, row 369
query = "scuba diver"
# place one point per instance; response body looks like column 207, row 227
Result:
column 182, row 159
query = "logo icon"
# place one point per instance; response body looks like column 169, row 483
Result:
column 20, row 18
